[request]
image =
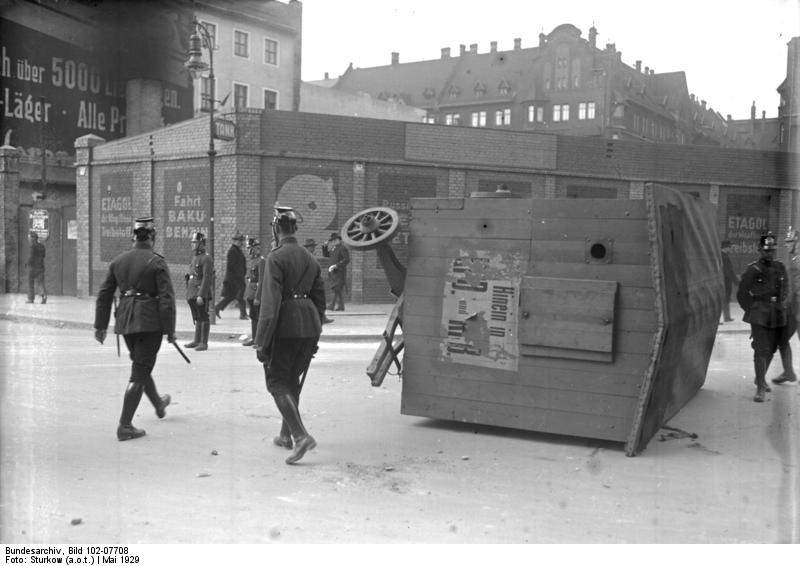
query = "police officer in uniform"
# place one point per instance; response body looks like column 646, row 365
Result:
column 199, row 283
column 146, row 312
column 289, row 326
column 764, row 296
column 254, row 274
column 792, row 238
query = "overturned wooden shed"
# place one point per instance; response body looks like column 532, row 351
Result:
column 587, row 317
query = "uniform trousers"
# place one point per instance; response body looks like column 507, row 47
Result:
column 143, row 348
column 290, row 358
column 199, row 312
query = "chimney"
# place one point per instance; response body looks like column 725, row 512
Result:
column 473, row 48
column 639, row 66
column 729, row 117
column 652, row 71
column 462, row 48
column 445, row 52
column 647, row 70
column 517, row 43
column 542, row 40
column 691, row 97
column 593, row 36
column 703, row 104
column 395, row 57
column 611, row 47
column 753, row 111
column 763, row 114
column 493, row 47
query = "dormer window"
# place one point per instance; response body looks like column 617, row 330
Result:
column 504, row 88
column 428, row 93
column 480, row 89
column 453, row 91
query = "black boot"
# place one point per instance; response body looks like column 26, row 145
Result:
column 205, row 327
column 197, row 336
column 160, row 402
column 760, row 366
column 788, row 375
column 303, row 442
column 284, row 438
column 126, row 430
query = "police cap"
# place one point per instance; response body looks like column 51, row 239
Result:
column 767, row 242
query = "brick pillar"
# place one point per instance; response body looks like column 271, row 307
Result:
column 636, row 190
column 83, row 210
column 356, row 267
column 457, row 184
column 9, row 219
column 550, row 187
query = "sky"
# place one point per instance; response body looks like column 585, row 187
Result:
column 732, row 51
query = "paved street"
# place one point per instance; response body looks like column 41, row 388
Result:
column 208, row 472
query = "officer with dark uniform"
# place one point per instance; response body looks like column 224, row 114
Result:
column 289, row 326
column 764, row 296
column 199, row 283
column 254, row 274
column 233, row 286
column 146, row 312
column 791, row 240
column 337, row 272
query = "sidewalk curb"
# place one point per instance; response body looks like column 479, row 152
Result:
column 180, row 334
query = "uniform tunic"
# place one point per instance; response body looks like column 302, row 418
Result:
column 146, row 308
column 290, row 319
column 764, row 296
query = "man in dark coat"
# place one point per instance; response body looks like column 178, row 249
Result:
column 146, row 312
column 764, row 297
column 337, row 272
column 289, row 326
column 199, row 284
column 233, row 285
column 35, row 266
column 730, row 279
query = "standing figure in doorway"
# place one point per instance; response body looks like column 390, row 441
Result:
column 35, row 265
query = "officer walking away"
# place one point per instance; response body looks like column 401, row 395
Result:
column 233, row 285
column 289, row 326
column 311, row 246
column 792, row 238
column 146, row 312
column 255, row 274
column 337, row 272
column 199, row 283
column 35, row 265
column 764, row 296
column 731, row 279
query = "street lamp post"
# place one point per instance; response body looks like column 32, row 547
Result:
column 197, row 67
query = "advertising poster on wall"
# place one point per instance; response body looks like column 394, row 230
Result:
column 187, row 209
column 58, row 91
column 480, row 314
column 314, row 194
column 746, row 219
column 116, row 214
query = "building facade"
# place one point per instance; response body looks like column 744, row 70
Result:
column 69, row 69
column 257, row 54
column 566, row 84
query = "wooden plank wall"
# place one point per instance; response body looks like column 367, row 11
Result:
column 563, row 396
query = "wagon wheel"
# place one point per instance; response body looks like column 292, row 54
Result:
column 370, row 228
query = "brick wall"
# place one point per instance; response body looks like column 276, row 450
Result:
column 331, row 167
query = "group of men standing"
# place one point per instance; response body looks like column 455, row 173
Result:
column 285, row 293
